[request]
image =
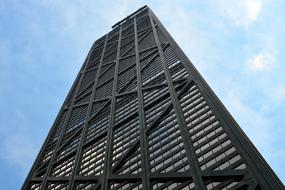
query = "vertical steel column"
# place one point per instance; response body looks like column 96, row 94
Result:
column 143, row 137
column 109, row 146
column 87, row 117
column 194, row 165
column 82, row 72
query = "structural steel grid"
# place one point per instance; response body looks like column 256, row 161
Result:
column 140, row 116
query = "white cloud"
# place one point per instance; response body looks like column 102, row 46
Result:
column 241, row 12
column 263, row 61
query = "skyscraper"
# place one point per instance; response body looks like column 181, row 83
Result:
column 140, row 116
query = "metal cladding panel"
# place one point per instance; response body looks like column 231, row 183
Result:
column 140, row 116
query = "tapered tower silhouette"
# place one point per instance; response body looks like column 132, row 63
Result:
column 140, row 116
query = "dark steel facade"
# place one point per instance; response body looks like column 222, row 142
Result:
column 140, row 116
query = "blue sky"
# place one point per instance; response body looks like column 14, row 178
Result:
column 237, row 45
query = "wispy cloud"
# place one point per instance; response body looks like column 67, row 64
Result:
column 241, row 12
column 191, row 36
column 263, row 61
column 279, row 94
column 251, row 120
column 18, row 148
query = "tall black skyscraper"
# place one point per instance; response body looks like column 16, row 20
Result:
column 140, row 116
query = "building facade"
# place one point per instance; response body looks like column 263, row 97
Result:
column 140, row 116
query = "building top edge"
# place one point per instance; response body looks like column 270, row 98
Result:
column 130, row 16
